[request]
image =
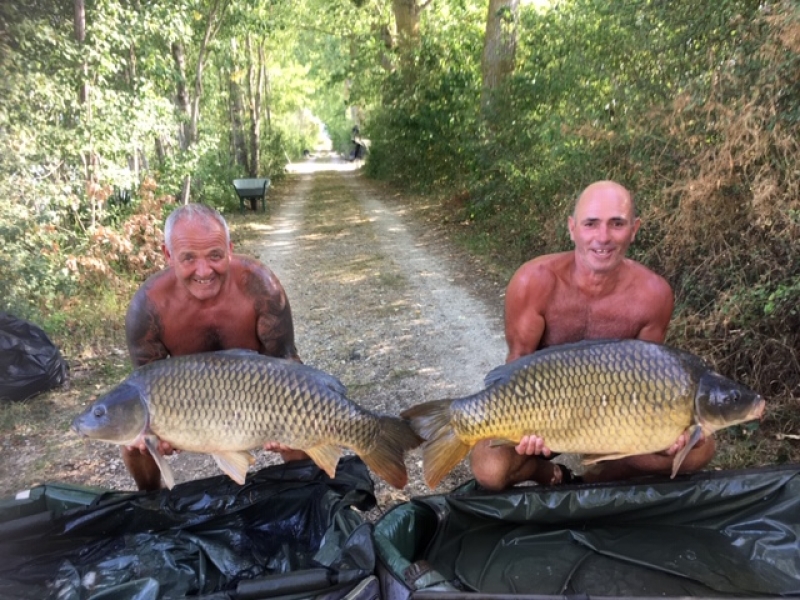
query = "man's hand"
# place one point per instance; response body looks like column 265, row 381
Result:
column 680, row 444
column 164, row 448
column 532, row 445
column 287, row 454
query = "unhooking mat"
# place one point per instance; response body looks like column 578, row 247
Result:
column 715, row 534
column 289, row 532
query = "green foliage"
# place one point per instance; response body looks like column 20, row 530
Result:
column 32, row 279
column 423, row 129
column 213, row 183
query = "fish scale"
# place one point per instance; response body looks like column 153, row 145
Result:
column 608, row 398
column 227, row 403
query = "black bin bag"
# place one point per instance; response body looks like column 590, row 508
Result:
column 289, row 532
column 29, row 362
column 707, row 535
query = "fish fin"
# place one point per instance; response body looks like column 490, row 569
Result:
column 387, row 459
column 326, row 457
column 695, row 433
column 593, row 459
column 151, row 441
column 427, row 418
column 234, row 464
column 443, row 449
column 502, row 442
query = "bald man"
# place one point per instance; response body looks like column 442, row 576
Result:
column 591, row 292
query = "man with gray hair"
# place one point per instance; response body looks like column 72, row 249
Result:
column 206, row 299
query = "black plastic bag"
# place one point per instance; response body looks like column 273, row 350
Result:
column 29, row 362
column 290, row 530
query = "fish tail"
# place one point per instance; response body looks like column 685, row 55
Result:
column 387, row 458
column 442, row 449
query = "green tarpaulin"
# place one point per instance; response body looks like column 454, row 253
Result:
column 717, row 534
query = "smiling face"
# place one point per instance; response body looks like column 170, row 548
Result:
column 200, row 256
column 603, row 226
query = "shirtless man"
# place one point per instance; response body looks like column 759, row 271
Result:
column 206, row 299
column 591, row 292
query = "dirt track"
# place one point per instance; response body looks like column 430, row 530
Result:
column 380, row 299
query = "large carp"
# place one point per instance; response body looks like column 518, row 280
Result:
column 227, row 403
column 605, row 398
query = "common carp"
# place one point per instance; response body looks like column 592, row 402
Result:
column 227, row 403
column 605, row 398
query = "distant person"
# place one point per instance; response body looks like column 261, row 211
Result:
column 591, row 292
column 207, row 299
column 358, row 144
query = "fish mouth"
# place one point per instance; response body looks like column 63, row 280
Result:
column 74, row 426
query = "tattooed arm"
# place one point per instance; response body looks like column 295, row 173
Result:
column 274, row 325
column 143, row 330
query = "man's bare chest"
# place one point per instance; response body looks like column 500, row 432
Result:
column 208, row 331
column 574, row 319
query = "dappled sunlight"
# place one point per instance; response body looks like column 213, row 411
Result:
column 286, row 230
column 325, row 161
column 259, row 227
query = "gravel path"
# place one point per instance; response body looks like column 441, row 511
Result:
column 379, row 300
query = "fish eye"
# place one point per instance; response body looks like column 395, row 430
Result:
column 99, row 411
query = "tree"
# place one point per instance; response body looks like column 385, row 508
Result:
column 256, row 80
column 238, row 139
column 499, row 47
column 190, row 106
column 406, row 17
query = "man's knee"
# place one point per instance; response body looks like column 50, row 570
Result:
column 489, row 479
column 143, row 468
column 490, row 467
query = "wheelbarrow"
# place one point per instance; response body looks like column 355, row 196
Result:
column 251, row 191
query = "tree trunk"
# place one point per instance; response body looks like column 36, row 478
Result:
column 190, row 107
column 267, row 90
column 182, row 94
column 499, row 48
column 255, row 83
column 237, row 113
column 406, row 18
column 212, row 28
column 383, row 34
column 84, row 97
column 161, row 151
column 80, row 37
column 182, row 100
